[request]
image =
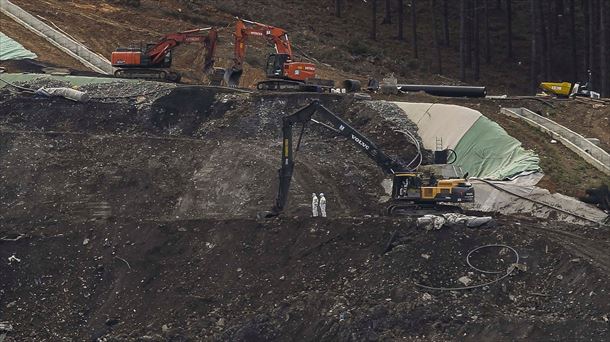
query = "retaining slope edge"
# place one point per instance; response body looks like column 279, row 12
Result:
column 590, row 152
column 73, row 48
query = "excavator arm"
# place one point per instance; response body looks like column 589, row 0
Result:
column 158, row 52
column 338, row 125
column 275, row 35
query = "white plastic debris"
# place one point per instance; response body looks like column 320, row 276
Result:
column 13, row 258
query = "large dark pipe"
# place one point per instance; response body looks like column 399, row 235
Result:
column 351, row 85
column 448, row 91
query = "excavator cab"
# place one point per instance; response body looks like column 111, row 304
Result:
column 415, row 186
column 275, row 65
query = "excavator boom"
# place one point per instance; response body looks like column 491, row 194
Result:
column 408, row 189
column 338, row 125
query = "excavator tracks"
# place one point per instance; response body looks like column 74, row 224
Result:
column 148, row 74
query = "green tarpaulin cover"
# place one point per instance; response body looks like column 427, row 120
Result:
column 11, row 50
column 487, row 151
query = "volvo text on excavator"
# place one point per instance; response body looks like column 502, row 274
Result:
column 412, row 192
column 154, row 60
column 283, row 71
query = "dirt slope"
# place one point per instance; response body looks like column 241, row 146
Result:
column 137, row 214
column 299, row 279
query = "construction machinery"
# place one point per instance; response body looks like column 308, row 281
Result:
column 413, row 192
column 567, row 89
column 283, row 71
column 154, row 60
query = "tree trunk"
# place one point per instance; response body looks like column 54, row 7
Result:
column 487, row 38
column 437, row 43
column 387, row 19
column 545, row 43
column 533, row 59
column 592, row 65
column 586, row 10
column 446, row 22
column 463, row 40
column 401, row 20
column 338, row 8
column 414, row 28
column 603, row 21
column 573, row 41
column 469, row 33
column 559, row 13
column 374, row 20
column 509, row 28
column 476, row 62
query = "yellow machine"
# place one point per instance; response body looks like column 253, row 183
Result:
column 562, row 89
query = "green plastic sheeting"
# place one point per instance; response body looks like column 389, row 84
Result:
column 487, row 151
column 74, row 80
column 11, row 50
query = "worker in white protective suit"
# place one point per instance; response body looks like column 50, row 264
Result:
column 322, row 205
column 314, row 205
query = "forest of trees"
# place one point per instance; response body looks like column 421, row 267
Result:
column 567, row 39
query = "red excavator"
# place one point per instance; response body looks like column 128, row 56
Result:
column 283, row 71
column 154, row 61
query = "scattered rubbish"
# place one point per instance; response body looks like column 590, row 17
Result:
column 435, row 222
column 553, row 141
column 559, row 277
column 426, row 296
column 519, row 267
column 10, row 305
column 68, row 93
column 85, row 242
column 464, row 279
column 12, row 237
column 13, row 258
column 6, row 326
column 164, row 328
column 425, row 256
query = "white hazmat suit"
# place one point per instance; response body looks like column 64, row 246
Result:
column 314, row 205
column 322, row 205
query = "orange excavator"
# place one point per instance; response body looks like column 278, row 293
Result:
column 154, row 60
column 283, row 71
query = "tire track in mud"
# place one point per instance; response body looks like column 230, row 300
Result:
column 593, row 250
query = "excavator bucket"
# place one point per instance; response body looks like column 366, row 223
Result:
column 232, row 77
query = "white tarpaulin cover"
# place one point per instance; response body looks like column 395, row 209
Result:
column 12, row 50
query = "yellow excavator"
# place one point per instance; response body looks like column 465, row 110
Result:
column 413, row 192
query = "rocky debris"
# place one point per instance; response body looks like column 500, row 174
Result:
column 465, row 280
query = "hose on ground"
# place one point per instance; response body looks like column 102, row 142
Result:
column 509, row 270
